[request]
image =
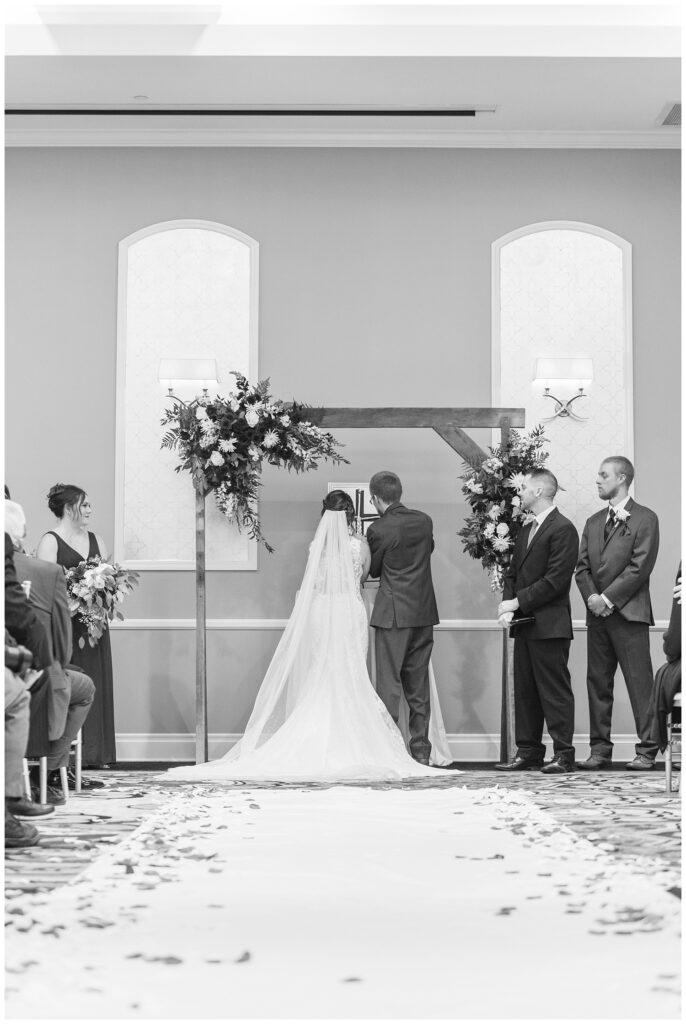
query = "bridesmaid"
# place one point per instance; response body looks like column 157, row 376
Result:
column 68, row 544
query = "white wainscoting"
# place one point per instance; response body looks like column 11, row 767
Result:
column 171, row 747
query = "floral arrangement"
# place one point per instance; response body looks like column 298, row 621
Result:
column 492, row 490
column 96, row 589
column 223, row 443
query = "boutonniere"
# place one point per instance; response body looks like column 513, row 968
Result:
column 622, row 517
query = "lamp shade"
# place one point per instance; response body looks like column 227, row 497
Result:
column 552, row 371
column 195, row 370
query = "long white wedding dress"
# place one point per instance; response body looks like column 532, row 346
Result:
column 317, row 717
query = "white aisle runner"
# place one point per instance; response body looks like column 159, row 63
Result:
column 349, row 902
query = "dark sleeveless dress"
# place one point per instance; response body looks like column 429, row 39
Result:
column 96, row 662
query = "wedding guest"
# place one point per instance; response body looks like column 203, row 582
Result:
column 17, row 833
column 20, row 618
column 668, row 677
column 537, row 585
column 71, row 692
column 70, row 543
column 618, row 551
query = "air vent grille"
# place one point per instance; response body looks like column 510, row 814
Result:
column 673, row 116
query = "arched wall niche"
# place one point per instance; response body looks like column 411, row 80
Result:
column 563, row 288
column 187, row 288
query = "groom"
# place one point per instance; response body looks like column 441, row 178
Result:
column 405, row 612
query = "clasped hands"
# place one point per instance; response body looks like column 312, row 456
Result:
column 597, row 606
column 506, row 610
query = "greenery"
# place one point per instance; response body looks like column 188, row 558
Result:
column 492, row 490
column 223, row 443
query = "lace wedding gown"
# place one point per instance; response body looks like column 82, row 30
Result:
column 317, row 716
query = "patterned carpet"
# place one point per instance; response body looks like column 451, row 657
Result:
column 628, row 815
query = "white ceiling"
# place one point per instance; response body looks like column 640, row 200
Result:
column 592, row 75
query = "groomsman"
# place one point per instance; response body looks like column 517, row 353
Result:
column 537, row 583
column 618, row 552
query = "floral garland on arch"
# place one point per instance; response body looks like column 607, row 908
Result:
column 492, row 490
column 223, row 443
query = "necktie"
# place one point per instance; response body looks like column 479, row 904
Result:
column 610, row 523
column 532, row 532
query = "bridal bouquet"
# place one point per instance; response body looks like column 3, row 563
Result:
column 96, row 589
column 492, row 490
column 223, row 443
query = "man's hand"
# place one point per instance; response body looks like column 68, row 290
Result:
column 508, row 606
column 506, row 618
column 597, row 606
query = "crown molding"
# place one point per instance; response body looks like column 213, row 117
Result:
column 331, row 138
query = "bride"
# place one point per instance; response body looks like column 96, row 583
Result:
column 317, row 716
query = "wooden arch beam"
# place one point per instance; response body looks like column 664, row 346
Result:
column 446, row 422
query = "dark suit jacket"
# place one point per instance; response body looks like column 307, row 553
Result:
column 20, row 619
column 50, row 602
column 401, row 542
column 620, row 568
column 540, row 577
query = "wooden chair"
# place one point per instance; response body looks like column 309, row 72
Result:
column 673, row 741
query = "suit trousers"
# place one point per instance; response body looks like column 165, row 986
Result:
column 17, row 702
column 402, row 666
column 80, row 701
column 543, row 691
column 614, row 641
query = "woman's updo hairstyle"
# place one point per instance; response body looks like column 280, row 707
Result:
column 340, row 501
column 63, row 496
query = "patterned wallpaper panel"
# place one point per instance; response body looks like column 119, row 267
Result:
column 188, row 294
column 561, row 292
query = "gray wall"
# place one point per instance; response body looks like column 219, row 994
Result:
column 374, row 290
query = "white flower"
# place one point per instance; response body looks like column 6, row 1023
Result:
column 494, row 512
column 285, row 420
column 492, row 464
column 516, row 501
column 200, row 413
column 228, row 446
column 474, row 487
column 621, row 515
column 252, row 416
column 215, row 459
column 489, row 529
column 234, row 404
column 206, row 441
column 501, row 543
column 254, row 453
column 516, row 481
column 271, row 439
column 502, row 529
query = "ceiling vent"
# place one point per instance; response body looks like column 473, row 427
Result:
column 670, row 116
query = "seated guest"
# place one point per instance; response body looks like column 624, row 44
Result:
column 18, row 833
column 71, row 692
column 668, row 676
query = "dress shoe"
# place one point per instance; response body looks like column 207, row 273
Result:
column 521, row 764
column 18, row 833
column 20, row 807
column 86, row 783
column 594, row 763
column 641, row 763
column 421, row 759
column 561, row 764
column 53, row 795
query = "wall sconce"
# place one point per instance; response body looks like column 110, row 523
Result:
column 561, row 373
column 183, row 371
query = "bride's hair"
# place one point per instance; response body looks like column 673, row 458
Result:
column 63, row 496
column 340, row 501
